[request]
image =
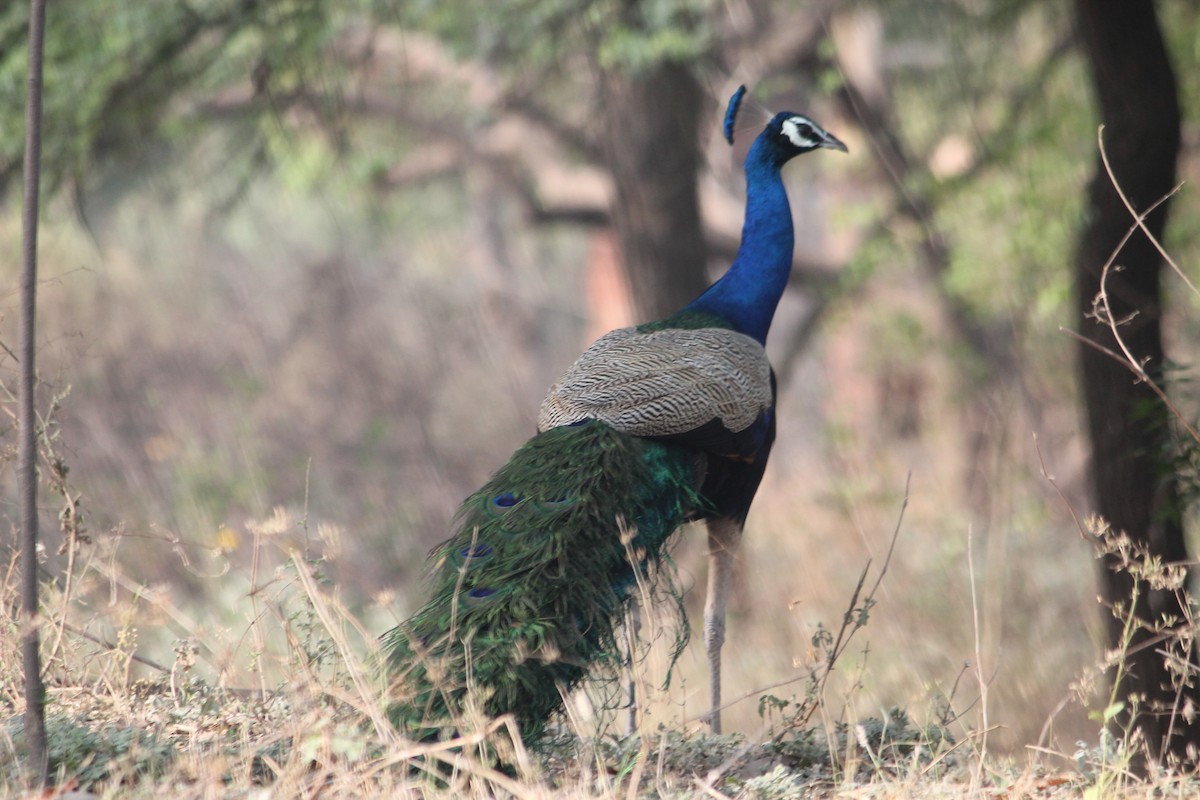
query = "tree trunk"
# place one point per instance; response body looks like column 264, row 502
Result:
column 652, row 146
column 1133, row 487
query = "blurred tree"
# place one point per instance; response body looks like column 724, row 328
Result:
column 1134, row 487
column 652, row 143
column 651, row 106
column 112, row 71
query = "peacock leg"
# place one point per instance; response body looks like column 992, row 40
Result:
column 723, row 537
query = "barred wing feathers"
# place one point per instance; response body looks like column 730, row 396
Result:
column 664, row 383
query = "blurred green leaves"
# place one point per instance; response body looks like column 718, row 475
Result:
column 117, row 73
column 617, row 34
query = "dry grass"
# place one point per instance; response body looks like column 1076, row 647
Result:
column 313, row 723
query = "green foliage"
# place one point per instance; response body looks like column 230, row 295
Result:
column 649, row 33
column 888, row 743
column 1009, row 226
column 92, row 755
column 617, row 34
column 779, row 784
column 124, row 78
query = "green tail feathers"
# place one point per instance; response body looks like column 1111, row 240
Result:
column 527, row 594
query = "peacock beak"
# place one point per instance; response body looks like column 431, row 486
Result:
column 833, row 143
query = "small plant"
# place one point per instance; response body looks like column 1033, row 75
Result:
column 84, row 756
column 1119, row 758
column 886, row 745
column 779, row 784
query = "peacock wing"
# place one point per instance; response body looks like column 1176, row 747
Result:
column 710, row 388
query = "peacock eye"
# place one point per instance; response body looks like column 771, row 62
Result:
column 562, row 501
column 504, row 501
column 481, row 596
column 801, row 133
column 477, row 552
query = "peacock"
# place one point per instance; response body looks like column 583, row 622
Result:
column 653, row 426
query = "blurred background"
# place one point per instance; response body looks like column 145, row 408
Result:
column 308, row 268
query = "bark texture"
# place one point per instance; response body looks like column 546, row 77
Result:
column 1131, row 481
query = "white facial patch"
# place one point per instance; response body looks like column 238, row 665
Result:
column 797, row 130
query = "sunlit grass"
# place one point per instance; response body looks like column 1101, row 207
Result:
column 286, row 701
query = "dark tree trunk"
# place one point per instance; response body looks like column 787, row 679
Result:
column 1133, row 488
column 652, row 146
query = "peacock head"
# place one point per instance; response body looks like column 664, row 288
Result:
column 789, row 134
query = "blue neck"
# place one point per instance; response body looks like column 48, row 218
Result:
column 748, row 293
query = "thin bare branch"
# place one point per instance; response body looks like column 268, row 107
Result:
column 1083, row 533
column 1141, row 218
column 1136, row 369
